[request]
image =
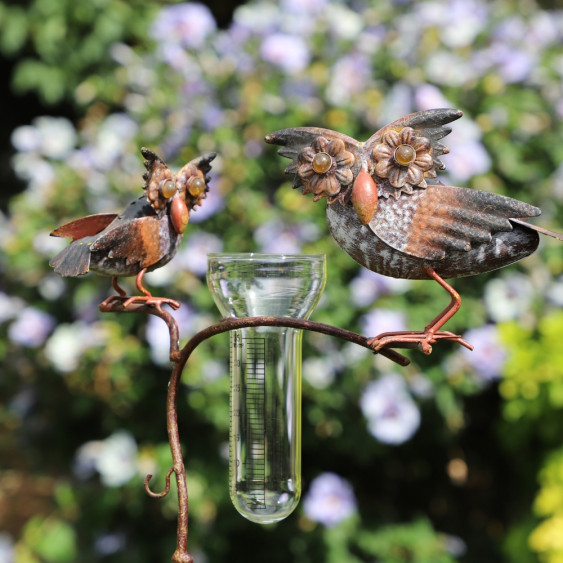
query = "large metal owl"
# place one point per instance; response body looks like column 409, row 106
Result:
column 389, row 213
column 145, row 236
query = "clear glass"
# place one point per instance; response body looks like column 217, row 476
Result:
column 265, row 366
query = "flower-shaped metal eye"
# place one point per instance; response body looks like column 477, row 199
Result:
column 405, row 159
column 404, row 155
column 321, row 162
column 325, row 168
column 196, row 186
column 168, row 188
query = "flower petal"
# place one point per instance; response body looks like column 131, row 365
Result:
column 320, row 144
column 345, row 158
column 414, row 175
column 315, row 182
column 383, row 151
column 335, row 147
column 419, row 143
column 307, row 155
column 383, row 168
column 407, row 136
column 392, row 138
column 344, row 175
column 305, row 171
column 398, row 176
column 331, row 186
column 424, row 161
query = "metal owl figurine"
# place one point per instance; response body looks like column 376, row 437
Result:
column 145, row 236
column 386, row 209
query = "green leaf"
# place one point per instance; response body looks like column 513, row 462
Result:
column 52, row 539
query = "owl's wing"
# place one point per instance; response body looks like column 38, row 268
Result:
column 84, row 227
column 431, row 124
column 137, row 240
column 430, row 222
column 294, row 140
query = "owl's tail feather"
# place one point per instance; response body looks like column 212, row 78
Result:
column 538, row 229
column 74, row 260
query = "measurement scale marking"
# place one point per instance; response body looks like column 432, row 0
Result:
column 255, row 421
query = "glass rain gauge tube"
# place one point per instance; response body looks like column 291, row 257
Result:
column 265, row 369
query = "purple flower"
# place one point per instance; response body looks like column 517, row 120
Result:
column 53, row 137
column 193, row 256
column 382, row 320
column 288, row 52
column 304, row 7
column 393, row 417
column 186, row 24
column 513, row 64
column 31, row 327
column 7, row 551
column 9, row 307
column 489, row 355
column 350, row 76
column 158, row 337
column 68, row 343
column 115, row 459
column 367, row 286
column 213, row 203
column 277, row 237
column 509, row 297
column 330, row 500
column 110, row 543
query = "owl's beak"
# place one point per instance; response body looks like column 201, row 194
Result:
column 364, row 196
column 179, row 214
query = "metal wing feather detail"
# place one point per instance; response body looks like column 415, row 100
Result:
column 431, row 222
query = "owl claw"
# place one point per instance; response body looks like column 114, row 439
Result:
column 124, row 302
column 421, row 340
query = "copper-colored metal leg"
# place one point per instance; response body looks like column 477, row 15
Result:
column 146, row 298
column 117, row 287
column 423, row 340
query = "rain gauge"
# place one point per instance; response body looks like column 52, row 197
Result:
column 265, row 370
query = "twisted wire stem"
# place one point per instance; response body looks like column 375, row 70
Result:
column 179, row 358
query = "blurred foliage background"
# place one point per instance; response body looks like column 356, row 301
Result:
column 456, row 458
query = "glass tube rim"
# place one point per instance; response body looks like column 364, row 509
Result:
column 264, row 257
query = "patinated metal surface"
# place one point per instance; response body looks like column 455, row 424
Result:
column 410, row 226
column 146, row 235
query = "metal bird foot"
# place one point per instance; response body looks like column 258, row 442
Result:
column 421, row 340
column 128, row 302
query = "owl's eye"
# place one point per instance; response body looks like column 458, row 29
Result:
column 404, row 155
column 322, row 162
column 196, row 186
column 168, row 188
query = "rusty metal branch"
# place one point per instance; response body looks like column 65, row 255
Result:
column 180, row 356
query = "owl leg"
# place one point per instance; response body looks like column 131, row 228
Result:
column 145, row 299
column 117, row 287
column 423, row 340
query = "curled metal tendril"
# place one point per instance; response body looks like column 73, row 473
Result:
column 166, row 488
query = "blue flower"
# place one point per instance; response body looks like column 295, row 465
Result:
column 367, row 286
column 187, row 25
column 158, row 337
column 393, row 416
column 31, row 327
column 288, row 52
column 508, row 297
column 277, row 237
column 114, row 459
column 382, row 320
column 330, row 500
column 489, row 355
